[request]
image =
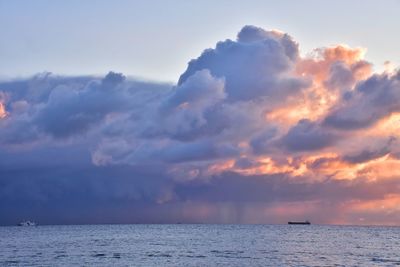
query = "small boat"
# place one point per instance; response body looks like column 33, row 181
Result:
column 301, row 223
column 27, row 223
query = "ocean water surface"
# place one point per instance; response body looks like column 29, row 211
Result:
column 199, row 245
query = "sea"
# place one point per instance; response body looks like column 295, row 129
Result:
column 199, row 245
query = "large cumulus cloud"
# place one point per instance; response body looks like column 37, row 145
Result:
column 251, row 132
column 265, row 61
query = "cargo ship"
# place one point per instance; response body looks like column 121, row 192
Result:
column 301, row 223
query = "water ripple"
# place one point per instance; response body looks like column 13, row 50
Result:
column 199, row 245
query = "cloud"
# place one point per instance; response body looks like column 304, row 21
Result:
column 260, row 63
column 307, row 135
column 69, row 112
column 252, row 132
column 184, row 113
column 3, row 112
column 343, row 76
column 61, row 107
column 371, row 100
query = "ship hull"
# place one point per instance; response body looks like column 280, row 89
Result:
column 300, row 223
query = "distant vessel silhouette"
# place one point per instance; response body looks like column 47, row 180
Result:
column 302, row 223
column 27, row 223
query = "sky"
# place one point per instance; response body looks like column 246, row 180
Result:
column 155, row 39
column 199, row 112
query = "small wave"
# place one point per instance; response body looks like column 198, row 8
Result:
column 233, row 254
column 99, row 255
column 159, row 255
column 60, row 256
column 117, row 255
column 11, row 262
column 195, row 256
column 385, row 260
column 228, row 251
column 234, row 257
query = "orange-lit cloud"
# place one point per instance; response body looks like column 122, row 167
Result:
column 3, row 112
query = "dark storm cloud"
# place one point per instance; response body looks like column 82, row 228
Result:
column 370, row 154
column 233, row 187
column 114, row 194
column 261, row 143
column 79, row 194
column 69, row 112
column 233, row 134
column 65, row 106
column 307, row 135
column 371, row 100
